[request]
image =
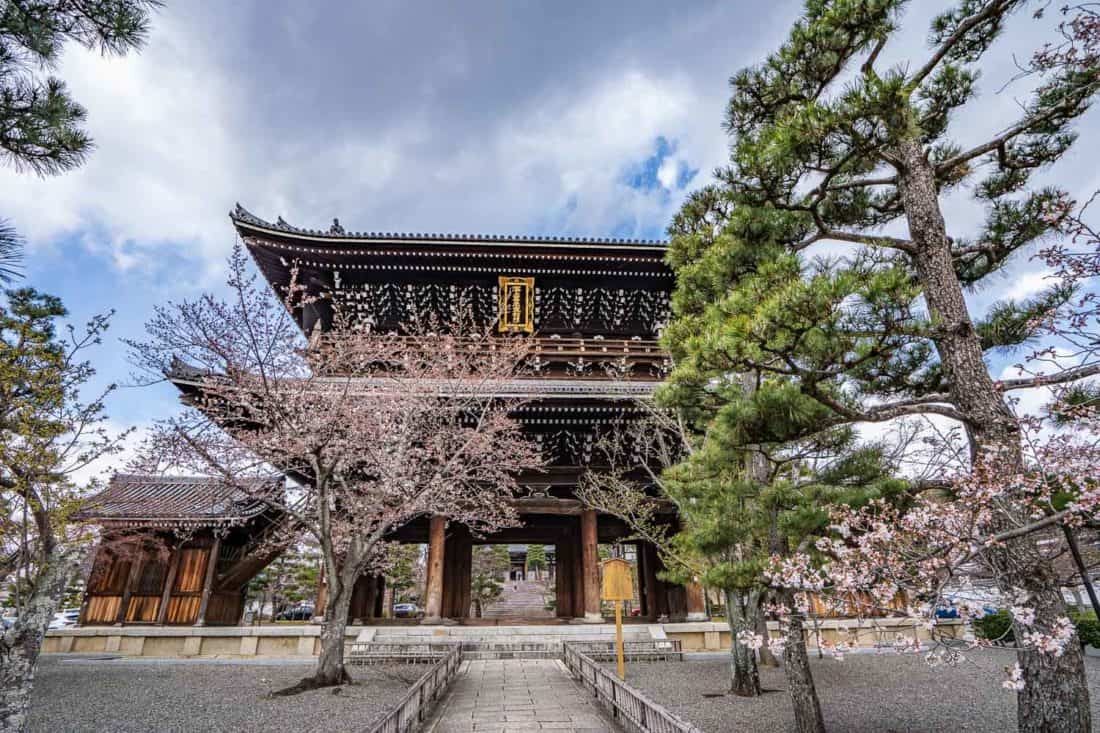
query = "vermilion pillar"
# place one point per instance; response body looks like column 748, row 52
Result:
column 591, row 564
column 433, row 603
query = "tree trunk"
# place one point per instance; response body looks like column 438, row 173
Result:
column 800, row 681
column 330, row 670
column 1055, row 695
column 330, row 664
column 21, row 644
column 744, row 675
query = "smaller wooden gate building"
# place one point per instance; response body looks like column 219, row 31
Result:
column 175, row 550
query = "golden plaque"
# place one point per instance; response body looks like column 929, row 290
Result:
column 517, row 305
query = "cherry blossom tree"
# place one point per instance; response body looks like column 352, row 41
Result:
column 371, row 430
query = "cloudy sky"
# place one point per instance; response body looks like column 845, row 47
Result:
column 511, row 117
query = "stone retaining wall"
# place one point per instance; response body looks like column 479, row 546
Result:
column 866, row 633
column 291, row 641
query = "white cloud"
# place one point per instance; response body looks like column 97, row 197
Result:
column 162, row 167
column 668, row 172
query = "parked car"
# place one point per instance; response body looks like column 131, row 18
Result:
column 303, row 612
column 405, row 610
column 64, row 619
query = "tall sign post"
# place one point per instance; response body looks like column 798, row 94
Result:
column 618, row 587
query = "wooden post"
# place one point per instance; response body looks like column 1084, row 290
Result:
column 457, row 570
column 619, row 639
column 169, row 581
column 696, row 602
column 618, row 586
column 433, row 602
column 208, row 581
column 578, row 572
column 563, row 582
column 131, row 582
column 591, row 559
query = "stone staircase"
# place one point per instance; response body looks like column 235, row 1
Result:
column 522, row 599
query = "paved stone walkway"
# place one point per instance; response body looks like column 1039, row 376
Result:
column 512, row 695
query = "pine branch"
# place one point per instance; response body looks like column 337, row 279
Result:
column 989, row 12
column 11, row 252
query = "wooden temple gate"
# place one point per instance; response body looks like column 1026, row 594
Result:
column 591, row 309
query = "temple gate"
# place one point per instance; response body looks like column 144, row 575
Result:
column 592, row 310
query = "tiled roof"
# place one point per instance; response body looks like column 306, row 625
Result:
column 168, row 500
column 243, row 217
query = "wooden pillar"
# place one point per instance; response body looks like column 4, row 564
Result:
column 656, row 602
column 360, row 592
column 131, row 584
column 433, row 601
column 458, row 554
column 578, row 571
column 380, row 597
column 465, row 579
column 208, row 581
column 677, row 602
column 563, row 582
column 169, row 581
column 591, row 559
column 370, row 598
column 696, row 603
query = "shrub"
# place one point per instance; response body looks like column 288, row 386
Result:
column 996, row 626
column 1088, row 628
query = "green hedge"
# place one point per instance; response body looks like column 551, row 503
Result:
column 995, row 627
column 998, row 627
column 1088, row 628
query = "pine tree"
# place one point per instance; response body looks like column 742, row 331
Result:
column 41, row 126
column 739, row 507
column 490, row 563
column 828, row 147
column 536, row 560
column 52, row 425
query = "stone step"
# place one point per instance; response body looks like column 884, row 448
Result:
column 535, row 634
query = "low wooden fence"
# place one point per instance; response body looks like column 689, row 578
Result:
column 630, row 708
column 410, row 714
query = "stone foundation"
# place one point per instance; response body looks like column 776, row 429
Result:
column 295, row 641
column 865, row 633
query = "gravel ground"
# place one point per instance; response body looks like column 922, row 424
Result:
column 864, row 693
column 141, row 696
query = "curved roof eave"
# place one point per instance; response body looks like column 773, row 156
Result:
column 246, row 220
